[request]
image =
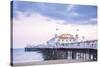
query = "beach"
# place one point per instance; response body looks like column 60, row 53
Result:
column 48, row 62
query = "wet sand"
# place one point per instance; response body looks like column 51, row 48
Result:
column 47, row 62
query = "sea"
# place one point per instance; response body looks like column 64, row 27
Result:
column 19, row 55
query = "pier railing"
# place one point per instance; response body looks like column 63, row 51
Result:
column 92, row 44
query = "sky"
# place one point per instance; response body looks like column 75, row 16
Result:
column 36, row 22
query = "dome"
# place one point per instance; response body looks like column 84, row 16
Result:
column 66, row 36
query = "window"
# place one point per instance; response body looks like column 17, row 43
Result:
column 59, row 40
column 70, row 40
column 63, row 44
column 62, row 40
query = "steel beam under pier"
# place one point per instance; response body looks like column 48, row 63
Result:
column 69, row 54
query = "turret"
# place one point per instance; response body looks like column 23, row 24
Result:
column 77, row 35
column 56, row 34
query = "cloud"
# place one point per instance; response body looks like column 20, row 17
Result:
column 74, row 14
column 93, row 20
column 70, row 8
column 37, row 29
column 63, row 12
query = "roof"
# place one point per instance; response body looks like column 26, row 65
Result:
column 66, row 36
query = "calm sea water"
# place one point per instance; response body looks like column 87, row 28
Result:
column 19, row 55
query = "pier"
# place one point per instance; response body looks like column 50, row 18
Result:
column 84, row 50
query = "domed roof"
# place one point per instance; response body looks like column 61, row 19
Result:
column 66, row 36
